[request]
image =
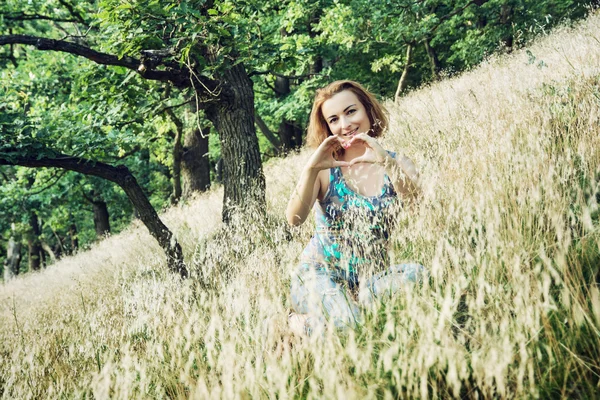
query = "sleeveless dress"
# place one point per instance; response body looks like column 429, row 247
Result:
column 352, row 230
column 350, row 241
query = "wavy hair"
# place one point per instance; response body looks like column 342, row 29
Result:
column 318, row 130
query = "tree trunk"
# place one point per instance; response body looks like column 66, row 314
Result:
column 74, row 238
column 434, row 62
column 233, row 117
column 122, row 177
column 268, row 134
column 506, row 17
column 12, row 263
column 317, row 66
column 46, row 247
column 101, row 218
column 297, row 136
column 195, row 165
column 286, row 134
column 176, row 154
column 287, row 129
column 33, row 243
column 403, row 79
column 59, row 249
column 144, row 178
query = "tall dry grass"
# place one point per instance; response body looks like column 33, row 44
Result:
column 507, row 226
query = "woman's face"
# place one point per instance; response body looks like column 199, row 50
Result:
column 345, row 115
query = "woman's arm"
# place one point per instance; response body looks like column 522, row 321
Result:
column 308, row 187
column 303, row 197
column 404, row 175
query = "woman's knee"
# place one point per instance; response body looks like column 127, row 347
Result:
column 391, row 281
column 307, row 288
column 316, row 293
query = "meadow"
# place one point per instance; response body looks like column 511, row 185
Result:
column 507, row 226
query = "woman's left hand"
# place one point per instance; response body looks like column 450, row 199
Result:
column 374, row 153
column 403, row 172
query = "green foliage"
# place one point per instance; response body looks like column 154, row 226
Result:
column 56, row 103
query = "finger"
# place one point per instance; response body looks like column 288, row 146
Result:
column 332, row 138
column 364, row 137
column 329, row 140
column 341, row 164
column 363, row 159
column 333, row 145
column 361, row 137
column 357, row 160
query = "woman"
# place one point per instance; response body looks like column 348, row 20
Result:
column 355, row 184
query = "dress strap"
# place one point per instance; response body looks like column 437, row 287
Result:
column 334, row 177
column 335, row 174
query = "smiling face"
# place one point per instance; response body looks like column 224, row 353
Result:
column 369, row 115
column 345, row 115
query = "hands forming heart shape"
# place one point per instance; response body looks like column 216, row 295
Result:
column 324, row 156
column 374, row 153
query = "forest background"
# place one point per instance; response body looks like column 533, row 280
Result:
column 189, row 94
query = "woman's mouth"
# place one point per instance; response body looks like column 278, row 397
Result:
column 351, row 133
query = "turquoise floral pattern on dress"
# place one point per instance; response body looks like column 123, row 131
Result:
column 351, row 229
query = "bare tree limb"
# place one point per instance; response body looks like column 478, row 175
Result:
column 142, row 117
column 403, row 79
column 168, row 108
column 49, row 185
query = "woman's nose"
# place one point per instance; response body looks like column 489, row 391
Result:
column 345, row 122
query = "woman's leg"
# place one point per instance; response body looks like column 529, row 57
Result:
column 389, row 282
column 316, row 294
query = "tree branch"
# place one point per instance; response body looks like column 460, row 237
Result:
column 142, row 117
column 458, row 11
column 294, row 77
column 73, row 12
column 21, row 16
column 267, row 132
column 168, row 108
column 85, row 196
column 178, row 77
column 50, row 185
column 119, row 175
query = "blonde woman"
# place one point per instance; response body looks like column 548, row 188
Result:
column 353, row 185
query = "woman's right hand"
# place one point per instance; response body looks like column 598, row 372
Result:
column 323, row 158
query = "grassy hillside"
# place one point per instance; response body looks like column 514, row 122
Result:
column 508, row 228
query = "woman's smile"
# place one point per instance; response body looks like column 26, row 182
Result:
column 352, row 132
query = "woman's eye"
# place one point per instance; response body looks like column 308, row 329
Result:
column 332, row 120
column 351, row 111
